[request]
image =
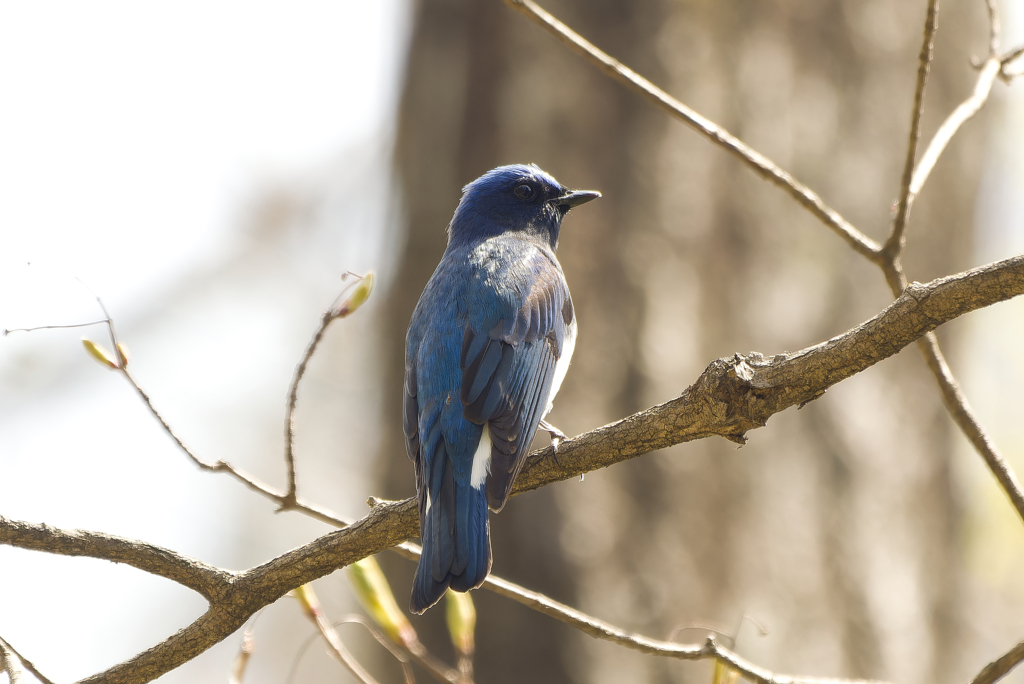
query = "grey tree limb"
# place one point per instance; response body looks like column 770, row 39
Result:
column 731, row 397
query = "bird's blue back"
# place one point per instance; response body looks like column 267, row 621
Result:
column 483, row 350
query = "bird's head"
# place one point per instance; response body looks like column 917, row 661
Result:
column 516, row 198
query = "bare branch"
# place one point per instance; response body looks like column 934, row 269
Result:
column 963, row 113
column 293, row 393
column 603, row 630
column 994, row 27
column 275, row 495
column 167, row 428
column 897, row 238
column 10, row 663
column 732, row 396
column 999, row 667
column 311, row 607
column 8, row 331
column 9, row 655
column 761, row 165
column 206, row 580
column 394, row 649
column 737, row 394
column 1008, row 59
column 962, row 413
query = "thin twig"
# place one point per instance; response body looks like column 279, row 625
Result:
column 394, row 649
column 341, row 308
column 166, row 426
column 383, row 640
column 1012, row 55
column 958, row 406
column 994, row 27
column 897, row 238
column 608, row 632
column 245, row 650
column 761, row 165
column 959, row 116
column 277, row 496
column 293, row 393
column 26, row 664
column 10, row 662
column 999, row 667
column 8, row 331
column 339, row 651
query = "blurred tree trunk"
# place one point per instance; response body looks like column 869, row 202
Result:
column 837, row 526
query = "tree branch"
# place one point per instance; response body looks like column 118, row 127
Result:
column 206, row 580
column 289, row 498
column 957, row 118
column 10, row 663
column 999, row 667
column 732, row 396
column 761, row 165
column 962, row 413
column 897, row 238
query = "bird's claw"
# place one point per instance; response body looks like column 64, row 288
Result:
column 555, row 433
column 556, row 437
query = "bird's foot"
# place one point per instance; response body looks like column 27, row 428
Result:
column 556, row 437
column 551, row 430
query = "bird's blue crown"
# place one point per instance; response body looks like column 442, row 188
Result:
column 519, row 197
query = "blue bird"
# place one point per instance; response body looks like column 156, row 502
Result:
column 488, row 347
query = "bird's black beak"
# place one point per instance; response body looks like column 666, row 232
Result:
column 574, row 199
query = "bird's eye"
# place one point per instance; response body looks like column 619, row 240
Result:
column 523, row 191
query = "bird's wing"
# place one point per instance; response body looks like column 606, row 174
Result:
column 519, row 317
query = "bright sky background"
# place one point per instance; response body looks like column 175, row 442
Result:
column 134, row 138
column 131, row 132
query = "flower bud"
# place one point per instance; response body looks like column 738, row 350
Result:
column 374, row 593
column 461, row 615
column 99, row 353
column 355, row 300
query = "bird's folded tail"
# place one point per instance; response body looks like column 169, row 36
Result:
column 456, row 542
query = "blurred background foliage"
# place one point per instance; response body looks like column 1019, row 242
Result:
column 861, row 530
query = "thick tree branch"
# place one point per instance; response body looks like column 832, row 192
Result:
column 205, row 580
column 733, row 395
column 738, row 394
